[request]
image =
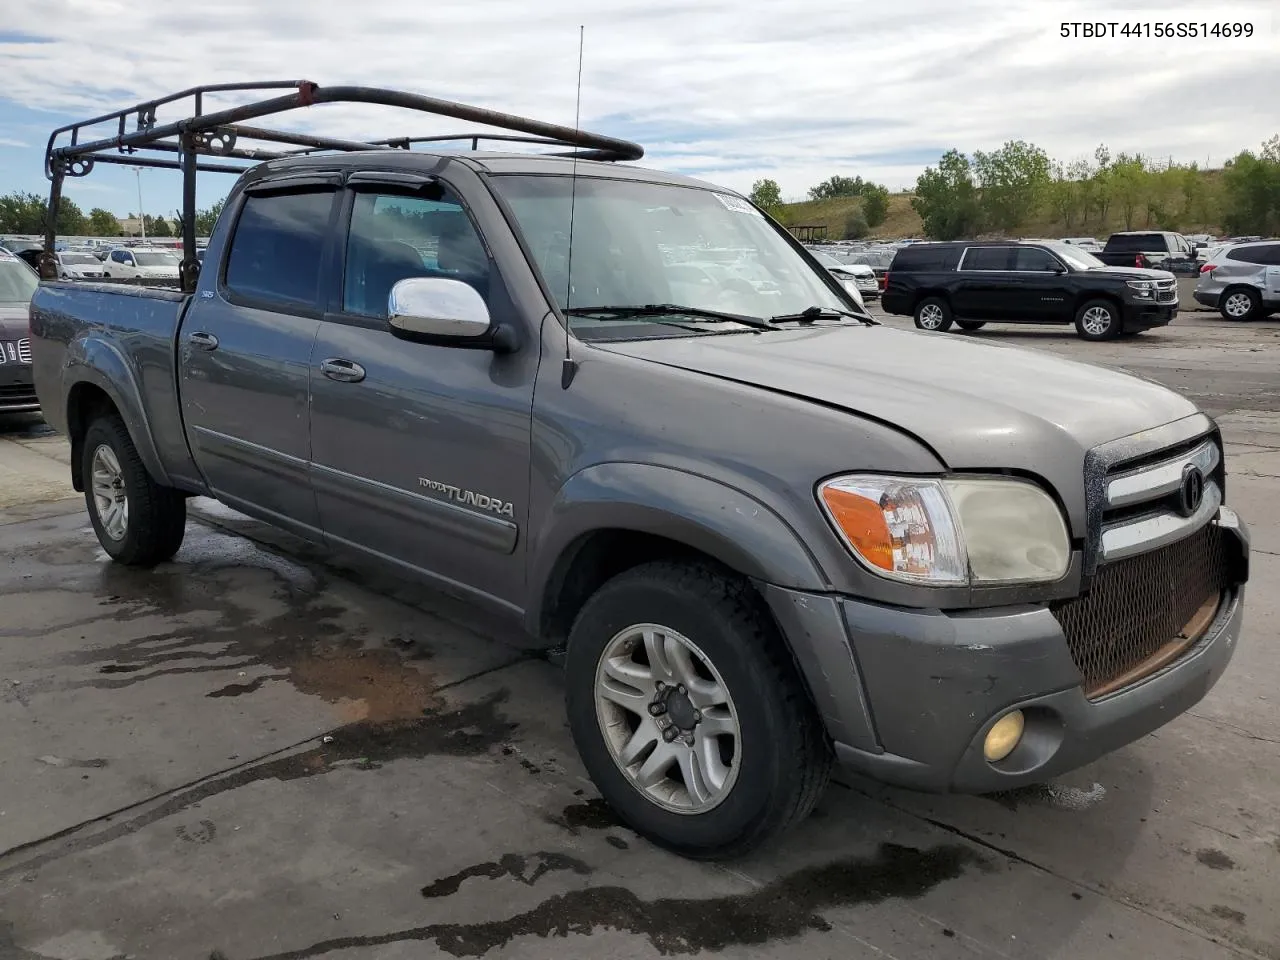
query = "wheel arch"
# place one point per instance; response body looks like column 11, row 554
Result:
column 611, row 517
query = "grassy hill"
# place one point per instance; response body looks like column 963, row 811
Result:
column 902, row 220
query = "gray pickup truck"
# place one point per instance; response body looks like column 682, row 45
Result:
column 770, row 532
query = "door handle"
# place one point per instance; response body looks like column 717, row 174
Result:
column 346, row 371
column 205, row 341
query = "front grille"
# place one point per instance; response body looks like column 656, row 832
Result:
column 24, row 351
column 17, row 393
column 1166, row 296
column 1137, row 607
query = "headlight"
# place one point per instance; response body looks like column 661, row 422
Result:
column 852, row 287
column 1141, row 288
column 950, row 532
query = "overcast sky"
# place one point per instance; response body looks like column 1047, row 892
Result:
column 727, row 90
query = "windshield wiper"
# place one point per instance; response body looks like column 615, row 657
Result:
column 811, row 314
column 671, row 309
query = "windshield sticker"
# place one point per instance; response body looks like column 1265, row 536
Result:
column 737, row 204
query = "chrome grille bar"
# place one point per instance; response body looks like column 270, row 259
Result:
column 1161, row 479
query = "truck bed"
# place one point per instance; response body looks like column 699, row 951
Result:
column 121, row 338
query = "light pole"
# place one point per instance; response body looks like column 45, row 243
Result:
column 142, row 219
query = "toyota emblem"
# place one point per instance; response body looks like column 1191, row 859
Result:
column 1191, row 493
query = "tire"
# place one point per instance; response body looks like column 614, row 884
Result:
column 780, row 761
column 933, row 314
column 155, row 517
column 1098, row 320
column 1240, row 304
column 971, row 325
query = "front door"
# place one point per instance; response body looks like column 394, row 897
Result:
column 245, row 353
column 1039, row 287
column 421, row 452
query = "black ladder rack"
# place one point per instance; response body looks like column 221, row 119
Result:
column 183, row 144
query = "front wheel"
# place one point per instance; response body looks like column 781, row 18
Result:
column 1098, row 320
column 688, row 712
column 1241, row 303
column 933, row 314
column 138, row 522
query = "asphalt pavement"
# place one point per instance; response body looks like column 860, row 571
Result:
column 261, row 750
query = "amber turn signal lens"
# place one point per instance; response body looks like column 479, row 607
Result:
column 862, row 521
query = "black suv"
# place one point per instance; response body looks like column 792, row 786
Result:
column 970, row 284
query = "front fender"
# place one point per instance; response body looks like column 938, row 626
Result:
column 95, row 360
column 709, row 516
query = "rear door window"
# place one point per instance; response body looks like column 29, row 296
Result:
column 1267, row 254
column 988, row 258
column 277, row 247
column 1134, row 242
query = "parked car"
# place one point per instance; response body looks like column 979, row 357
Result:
column 79, row 266
column 858, row 278
column 769, row 530
column 1086, row 243
column 17, row 283
column 1159, row 249
column 1242, row 280
column 141, row 263
column 971, row 284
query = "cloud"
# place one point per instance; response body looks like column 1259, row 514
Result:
column 727, row 90
column 10, row 142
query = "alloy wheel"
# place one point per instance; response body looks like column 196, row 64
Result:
column 668, row 718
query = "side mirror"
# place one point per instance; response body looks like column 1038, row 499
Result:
column 446, row 312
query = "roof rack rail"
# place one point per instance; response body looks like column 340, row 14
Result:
column 182, row 144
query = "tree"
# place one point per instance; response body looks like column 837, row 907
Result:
column 206, row 219
column 103, row 223
column 946, row 198
column 22, row 213
column 1130, row 185
column 875, row 204
column 1063, row 195
column 1014, row 181
column 855, row 226
column 838, row 186
column 765, row 194
column 159, row 227
column 1251, row 191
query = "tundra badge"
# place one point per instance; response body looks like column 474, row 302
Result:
column 467, row 498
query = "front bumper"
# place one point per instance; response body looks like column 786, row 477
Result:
column 17, row 391
column 908, row 696
column 1144, row 316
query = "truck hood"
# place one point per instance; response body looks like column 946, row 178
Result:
column 14, row 320
column 977, row 405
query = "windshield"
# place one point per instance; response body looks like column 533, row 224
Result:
column 81, row 258
column 156, row 259
column 18, row 282
column 826, row 259
column 636, row 244
column 1076, row 258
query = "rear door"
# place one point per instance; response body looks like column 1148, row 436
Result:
column 421, row 452
column 245, row 353
column 1271, row 258
column 985, row 283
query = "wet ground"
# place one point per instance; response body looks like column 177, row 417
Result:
column 262, row 751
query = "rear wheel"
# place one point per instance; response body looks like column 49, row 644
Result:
column 138, row 522
column 688, row 712
column 933, row 314
column 1241, row 303
column 971, row 325
column 1098, row 320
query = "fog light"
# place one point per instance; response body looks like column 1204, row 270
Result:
column 1004, row 736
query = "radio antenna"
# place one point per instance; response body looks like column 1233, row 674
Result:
column 568, row 366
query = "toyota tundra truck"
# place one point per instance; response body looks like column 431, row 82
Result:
column 770, row 533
